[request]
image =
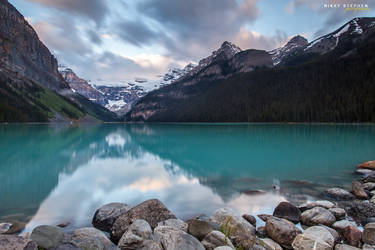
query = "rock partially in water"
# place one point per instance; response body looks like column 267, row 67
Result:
column 200, row 228
column 92, row 238
column 315, row 237
column 16, row 243
column 136, row 235
column 215, row 239
column 4, row 227
column 369, row 186
column 363, row 172
column 251, row 219
column 317, row 216
column 368, row 235
column 340, row 225
column 172, row 239
column 282, row 231
column 175, row 223
column 106, row 215
column 338, row 194
column 359, row 210
column 288, row 211
column 242, row 232
column 269, row 244
column 339, row 213
column 352, row 236
column 153, row 211
column 367, row 165
column 323, row 203
column 369, row 178
column 47, row 236
column 358, row 190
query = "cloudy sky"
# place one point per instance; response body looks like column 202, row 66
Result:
column 113, row 41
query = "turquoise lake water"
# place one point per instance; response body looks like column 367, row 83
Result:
column 55, row 173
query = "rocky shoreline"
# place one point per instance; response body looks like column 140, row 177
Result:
column 345, row 221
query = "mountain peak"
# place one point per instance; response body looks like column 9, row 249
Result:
column 300, row 40
column 228, row 46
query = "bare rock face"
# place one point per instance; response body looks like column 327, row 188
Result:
column 317, row 216
column 153, row 211
column 282, row 231
column 16, row 243
column 287, row 211
column 358, row 190
column 315, row 237
column 106, row 215
column 21, row 50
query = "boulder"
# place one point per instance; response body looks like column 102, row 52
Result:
column 369, row 186
column 340, row 225
column 199, row 228
column 352, row 236
column 359, row 210
column 16, row 243
column 369, row 178
column 67, row 246
column 317, row 216
column 368, row 235
column 153, row 211
column 241, row 232
column 215, row 239
column 324, row 204
column 315, row 237
column 282, row 231
column 92, row 238
column 251, row 219
column 106, row 215
column 287, row 211
column 339, row 213
column 261, row 232
column 364, row 172
column 47, row 236
column 334, row 233
column 269, row 244
column 138, row 232
column 338, row 194
column 175, row 223
column 172, row 239
column 367, row 165
column 13, row 228
column 358, row 190
column 345, row 247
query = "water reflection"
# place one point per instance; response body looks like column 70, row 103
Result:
column 50, row 175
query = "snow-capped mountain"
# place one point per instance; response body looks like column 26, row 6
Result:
column 292, row 46
column 120, row 99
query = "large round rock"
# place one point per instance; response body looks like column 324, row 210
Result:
column 315, row 237
column 358, row 190
column 106, row 215
column 47, row 236
column 216, row 239
column 92, row 238
column 136, row 235
column 199, row 228
column 282, row 231
column 317, row 216
column 288, row 211
column 339, row 194
column 153, row 211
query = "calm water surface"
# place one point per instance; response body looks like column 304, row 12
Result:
column 53, row 174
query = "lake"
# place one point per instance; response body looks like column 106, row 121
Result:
column 58, row 173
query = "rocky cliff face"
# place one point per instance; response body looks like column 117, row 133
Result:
column 21, row 50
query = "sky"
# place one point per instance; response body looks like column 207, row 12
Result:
column 111, row 42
